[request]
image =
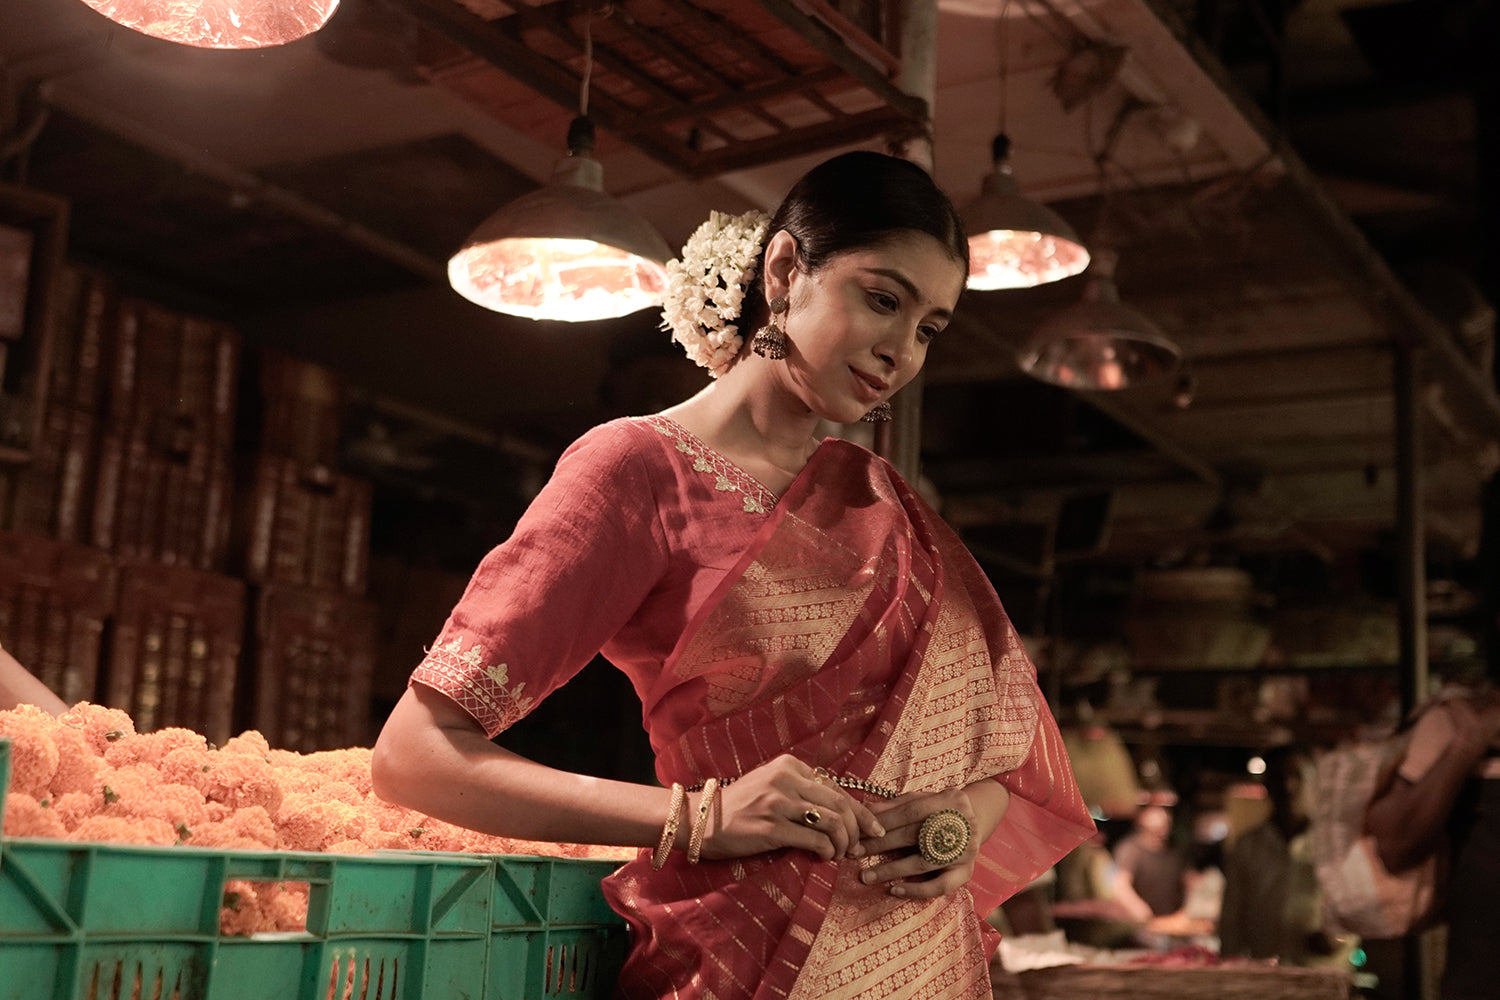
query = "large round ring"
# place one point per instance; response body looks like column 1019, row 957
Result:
column 943, row 837
column 812, row 817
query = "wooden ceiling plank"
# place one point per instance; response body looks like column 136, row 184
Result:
column 849, row 130
column 826, row 41
column 508, row 55
column 749, row 47
column 683, row 58
column 759, row 94
column 606, row 57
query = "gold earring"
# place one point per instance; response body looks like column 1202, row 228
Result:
column 770, row 340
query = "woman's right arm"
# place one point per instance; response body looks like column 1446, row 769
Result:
column 433, row 757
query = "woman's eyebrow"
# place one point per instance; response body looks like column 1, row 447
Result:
column 910, row 286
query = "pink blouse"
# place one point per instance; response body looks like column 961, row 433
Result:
column 634, row 529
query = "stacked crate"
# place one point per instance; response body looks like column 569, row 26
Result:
column 55, row 598
column 306, row 550
column 165, row 457
column 51, row 494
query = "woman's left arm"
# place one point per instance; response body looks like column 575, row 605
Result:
column 983, row 806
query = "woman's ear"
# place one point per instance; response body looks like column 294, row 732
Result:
column 780, row 263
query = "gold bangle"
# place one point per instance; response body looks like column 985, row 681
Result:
column 700, row 823
column 669, row 829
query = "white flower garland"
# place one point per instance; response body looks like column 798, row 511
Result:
column 706, row 287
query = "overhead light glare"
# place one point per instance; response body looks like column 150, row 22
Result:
column 566, row 251
column 220, row 24
column 1099, row 343
column 1015, row 242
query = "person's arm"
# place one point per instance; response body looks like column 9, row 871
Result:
column 1407, row 819
column 1123, row 889
column 19, row 686
column 432, row 756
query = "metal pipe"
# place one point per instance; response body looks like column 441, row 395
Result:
column 899, row 441
column 1410, row 530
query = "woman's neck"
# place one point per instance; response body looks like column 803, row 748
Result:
column 744, row 418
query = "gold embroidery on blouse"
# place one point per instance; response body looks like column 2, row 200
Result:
column 507, row 702
column 728, row 477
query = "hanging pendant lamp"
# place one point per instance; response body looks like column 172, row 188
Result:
column 566, row 251
column 220, row 24
column 1099, row 343
column 1015, row 242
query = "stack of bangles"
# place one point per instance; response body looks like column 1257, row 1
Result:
column 941, row 840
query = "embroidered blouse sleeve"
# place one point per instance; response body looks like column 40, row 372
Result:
column 540, row 605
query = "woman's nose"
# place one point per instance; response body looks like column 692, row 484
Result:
column 897, row 350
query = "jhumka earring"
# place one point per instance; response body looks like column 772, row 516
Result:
column 879, row 413
column 770, row 341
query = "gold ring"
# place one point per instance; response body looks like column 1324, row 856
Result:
column 943, row 837
column 812, row 817
column 821, row 776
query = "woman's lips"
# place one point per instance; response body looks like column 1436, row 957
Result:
column 869, row 387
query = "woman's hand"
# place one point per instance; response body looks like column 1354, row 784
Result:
column 981, row 804
column 782, row 803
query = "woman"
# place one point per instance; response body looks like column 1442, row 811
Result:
column 823, row 668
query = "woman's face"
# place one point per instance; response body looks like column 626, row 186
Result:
column 858, row 329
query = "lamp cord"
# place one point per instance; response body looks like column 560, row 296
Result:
column 588, row 63
column 1003, row 43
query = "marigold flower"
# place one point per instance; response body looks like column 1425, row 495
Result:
column 125, row 830
column 150, row 748
column 73, row 808
column 308, row 823
column 33, row 750
column 241, row 780
column 251, row 743
column 240, row 914
column 100, row 725
column 79, row 768
column 188, row 766
column 348, row 847
column 27, row 817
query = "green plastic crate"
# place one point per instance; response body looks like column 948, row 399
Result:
column 82, row 921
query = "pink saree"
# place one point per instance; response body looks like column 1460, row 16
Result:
column 843, row 622
column 857, row 633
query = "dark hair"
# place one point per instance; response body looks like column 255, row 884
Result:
column 852, row 201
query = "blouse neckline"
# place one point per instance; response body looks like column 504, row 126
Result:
column 728, row 477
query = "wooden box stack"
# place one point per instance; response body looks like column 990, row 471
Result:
column 315, row 657
column 55, row 598
column 307, row 539
column 174, row 656
column 308, row 524
column 51, row 494
column 165, row 457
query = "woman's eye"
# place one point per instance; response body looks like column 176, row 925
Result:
column 885, row 301
column 927, row 333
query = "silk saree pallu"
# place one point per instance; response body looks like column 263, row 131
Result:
column 856, row 633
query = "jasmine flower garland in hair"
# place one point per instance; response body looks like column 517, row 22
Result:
column 706, row 287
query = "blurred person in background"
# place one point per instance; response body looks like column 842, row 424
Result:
column 1272, row 907
column 1446, row 797
column 1150, row 872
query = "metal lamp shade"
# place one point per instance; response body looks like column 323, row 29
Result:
column 567, row 251
column 220, row 24
column 1015, row 242
column 1099, row 343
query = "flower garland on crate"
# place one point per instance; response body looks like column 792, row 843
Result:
column 706, row 287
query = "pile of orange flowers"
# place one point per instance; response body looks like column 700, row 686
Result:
column 89, row 776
